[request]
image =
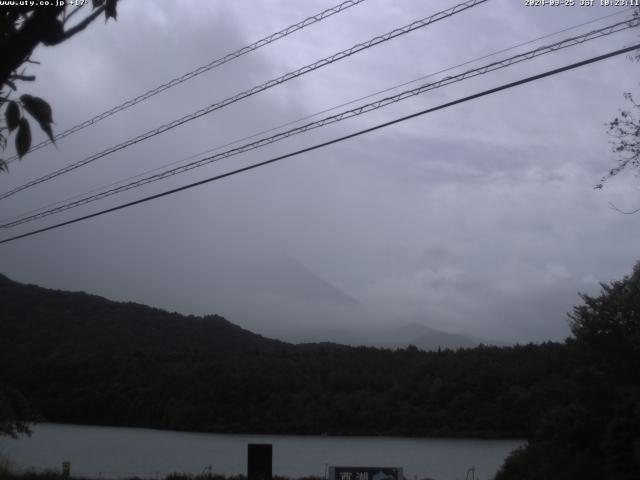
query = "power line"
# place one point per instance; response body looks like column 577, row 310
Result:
column 330, row 142
column 306, row 117
column 198, row 71
column 252, row 91
column 497, row 65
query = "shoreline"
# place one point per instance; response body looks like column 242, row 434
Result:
column 444, row 437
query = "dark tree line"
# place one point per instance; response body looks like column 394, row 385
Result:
column 483, row 392
column 595, row 434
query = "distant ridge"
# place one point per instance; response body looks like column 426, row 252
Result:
column 393, row 337
column 428, row 338
column 40, row 322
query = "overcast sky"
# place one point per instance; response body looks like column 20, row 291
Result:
column 481, row 218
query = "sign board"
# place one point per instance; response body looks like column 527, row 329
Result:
column 66, row 469
column 259, row 461
column 365, row 473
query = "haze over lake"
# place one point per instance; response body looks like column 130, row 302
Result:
column 110, row 452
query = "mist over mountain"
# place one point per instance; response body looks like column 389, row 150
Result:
column 49, row 320
column 417, row 334
column 277, row 296
column 425, row 338
column 286, row 300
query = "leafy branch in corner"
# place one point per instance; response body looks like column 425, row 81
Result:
column 15, row 119
column 625, row 132
column 22, row 29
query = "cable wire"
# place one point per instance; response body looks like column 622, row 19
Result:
column 369, row 107
column 490, row 91
column 252, row 91
column 306, row 117
column 198, row 71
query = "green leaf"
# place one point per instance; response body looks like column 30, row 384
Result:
column 12, row 115
column 41, row 111
column 38, row 108
column 110, row 9
column 46, row 127
column 23, row 138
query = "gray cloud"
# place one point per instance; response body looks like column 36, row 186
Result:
column 479, row 219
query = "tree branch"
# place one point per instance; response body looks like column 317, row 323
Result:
column 73, row 12
column 80, row 26
column 24, row 78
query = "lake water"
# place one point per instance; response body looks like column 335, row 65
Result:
column 109, row 452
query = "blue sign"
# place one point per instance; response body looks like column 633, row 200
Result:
column 365, row 473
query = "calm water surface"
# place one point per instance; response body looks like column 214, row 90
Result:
column 110, row 452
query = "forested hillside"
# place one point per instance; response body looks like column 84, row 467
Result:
column 85, row 359
column 480, row 392
column 595, row 432
column 39, row 322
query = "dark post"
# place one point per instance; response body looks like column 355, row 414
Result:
column 66, row 469
column 259, row 461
